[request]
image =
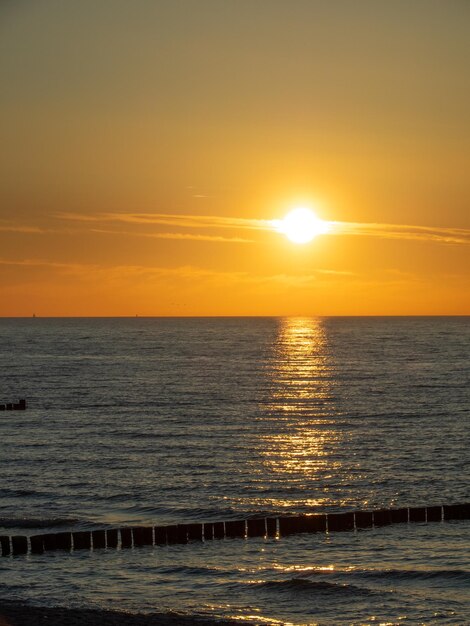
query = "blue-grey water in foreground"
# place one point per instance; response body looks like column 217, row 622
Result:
column 134, row 421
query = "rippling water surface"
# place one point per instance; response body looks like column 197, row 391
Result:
column 133, row 421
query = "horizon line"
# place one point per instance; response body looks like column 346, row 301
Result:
column 110, row 317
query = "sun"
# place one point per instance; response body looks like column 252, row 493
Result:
column 301, row 225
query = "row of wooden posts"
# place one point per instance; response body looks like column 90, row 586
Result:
column 268, row 527
column 12, row 406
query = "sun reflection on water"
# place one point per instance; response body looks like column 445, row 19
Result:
column 301, row 370
column 302, row 446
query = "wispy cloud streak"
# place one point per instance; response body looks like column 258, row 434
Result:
column 402, row 231
column 434, row 234
column 185, row 272
column 184, row 236
column 166, row 219
column 28, row 230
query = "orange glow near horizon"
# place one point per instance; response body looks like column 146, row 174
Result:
column 168, row 173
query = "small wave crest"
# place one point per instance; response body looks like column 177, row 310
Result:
column 193, row 570
column 6, row 492
column 50, row 522
column 304, row 585
column 446, row 574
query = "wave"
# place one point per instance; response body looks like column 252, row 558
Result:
column 448, row 574
column 300, row 585
column 18, row 493
column 40, row 613
column 48, row 522
column 188, row 570
column 182, row 514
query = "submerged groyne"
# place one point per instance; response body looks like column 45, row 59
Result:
column 267, row 527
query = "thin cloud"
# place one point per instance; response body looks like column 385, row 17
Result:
column 441, row 235
column 33, row 263
column 335, row 272
column 185, row 236
column 166, row 219
column 185, row 272
column 34, row 230
column 402, row 231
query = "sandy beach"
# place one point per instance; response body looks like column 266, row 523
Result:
column 12, row 614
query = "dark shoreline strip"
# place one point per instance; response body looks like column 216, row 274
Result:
column 273, row 527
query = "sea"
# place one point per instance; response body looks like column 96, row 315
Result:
column 137, row 421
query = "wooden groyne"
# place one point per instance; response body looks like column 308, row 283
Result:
column 267, row 527
column 11, row 406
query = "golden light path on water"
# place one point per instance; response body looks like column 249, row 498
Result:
column 302, row 448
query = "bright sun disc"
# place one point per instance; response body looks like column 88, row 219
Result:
column 302, row 225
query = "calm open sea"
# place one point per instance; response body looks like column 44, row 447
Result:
column 132, row 421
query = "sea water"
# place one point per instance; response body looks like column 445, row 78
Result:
column 158, row 420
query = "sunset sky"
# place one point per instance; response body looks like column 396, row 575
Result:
column 149, row 147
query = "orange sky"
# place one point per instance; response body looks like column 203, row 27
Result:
column 148, row 145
